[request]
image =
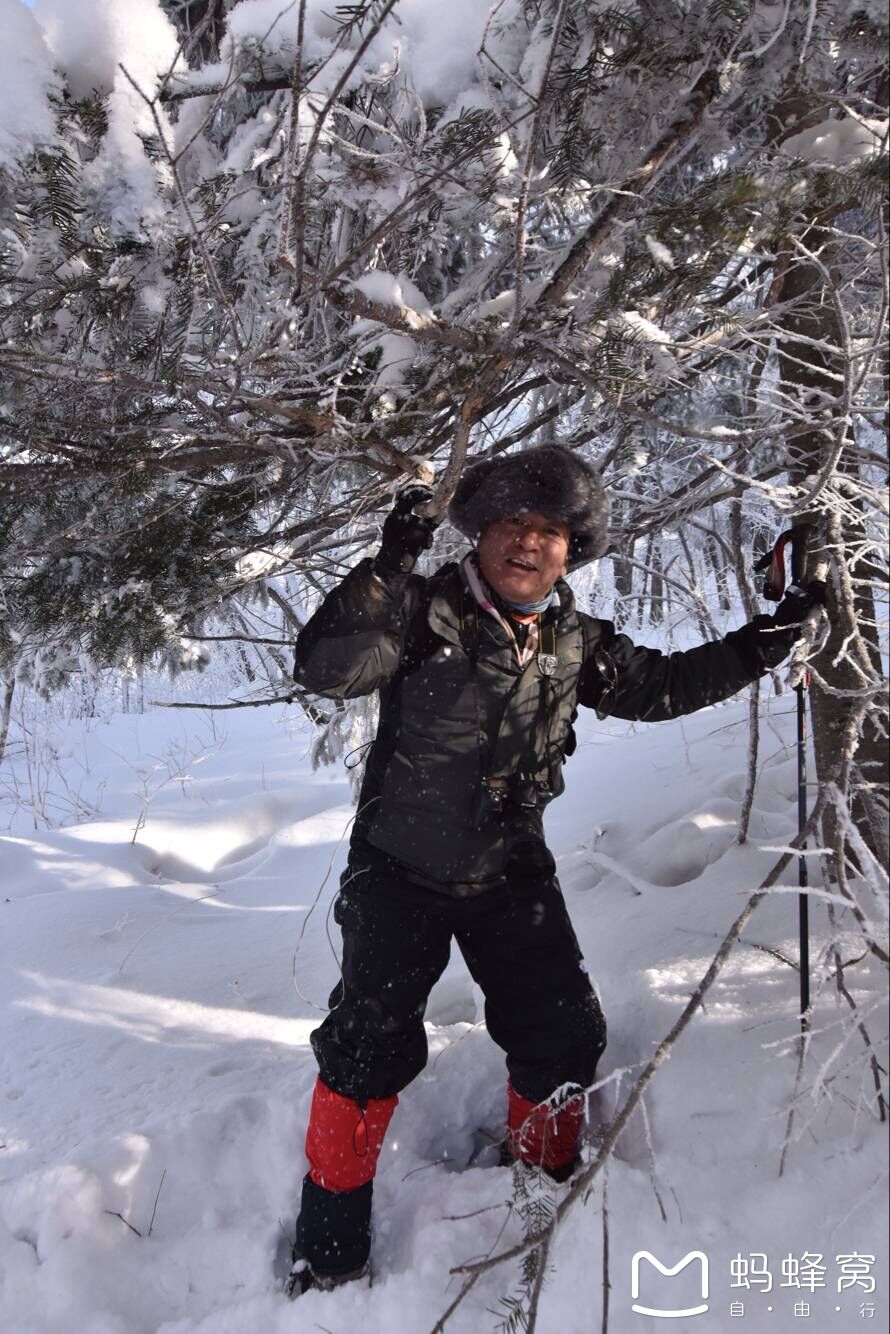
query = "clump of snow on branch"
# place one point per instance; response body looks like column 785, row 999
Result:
column 652, row 335
column 96, row 47
column 659, row 251
column 422, row 44
column 393, row 290
column 27, row 77
column 838, row 143
column 397, row 351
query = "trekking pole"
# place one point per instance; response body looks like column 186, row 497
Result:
column 773, row 563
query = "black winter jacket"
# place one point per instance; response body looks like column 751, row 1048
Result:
column 458, row 716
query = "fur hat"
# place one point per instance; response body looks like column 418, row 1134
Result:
column 549, row 480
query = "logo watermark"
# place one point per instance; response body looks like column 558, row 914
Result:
column 809, row 1273
column 669, row 1272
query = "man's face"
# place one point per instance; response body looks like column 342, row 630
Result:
column 522, row 557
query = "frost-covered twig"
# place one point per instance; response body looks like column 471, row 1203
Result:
column 873, row 871
column 803, row 1045
column 525, row 182
column 207, row 259
column 240, row 639
column 468, row 1284
column 839, row 868
column 837, row 791
column 821, row 1079
column 844, row 991
column 541, row 1255
column 650, row 1154
column 290, row 615
column 292, row 251
column 292, row 194
column 233, row 704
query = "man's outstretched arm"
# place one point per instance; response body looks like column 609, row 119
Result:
column 644, row 684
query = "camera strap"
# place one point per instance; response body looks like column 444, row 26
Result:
column 521, row 745
column 548, row 660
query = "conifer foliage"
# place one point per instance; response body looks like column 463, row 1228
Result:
column 262, row 263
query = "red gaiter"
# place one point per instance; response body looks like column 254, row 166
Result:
column 343, row 1141
column 541, row 1135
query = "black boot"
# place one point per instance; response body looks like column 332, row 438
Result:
column 333, row 1238
column 303, row 1277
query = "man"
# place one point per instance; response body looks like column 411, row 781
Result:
column 481, row 669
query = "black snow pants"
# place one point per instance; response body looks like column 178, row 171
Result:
column 519, row 946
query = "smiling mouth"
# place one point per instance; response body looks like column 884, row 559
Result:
column 524, row 565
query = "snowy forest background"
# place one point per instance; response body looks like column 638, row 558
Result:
column 264, row 263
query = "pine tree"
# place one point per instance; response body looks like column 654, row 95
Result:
column 250, row 288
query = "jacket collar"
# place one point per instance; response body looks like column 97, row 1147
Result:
column 451, row 595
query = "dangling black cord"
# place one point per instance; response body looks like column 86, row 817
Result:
column 361, row 751
column 325, row 1009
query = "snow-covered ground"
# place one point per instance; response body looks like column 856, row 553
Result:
column 165, row 961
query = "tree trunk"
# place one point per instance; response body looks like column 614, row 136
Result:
column 656, row 583
column 622, row 571
column 6, row 714
column 849, row 662
column 624, row 582
column 718, row 565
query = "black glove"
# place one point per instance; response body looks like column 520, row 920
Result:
column 406, row 534
column 798, row 603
